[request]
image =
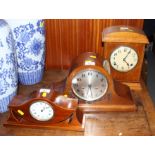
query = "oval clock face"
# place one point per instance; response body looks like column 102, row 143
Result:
column 89, row 85
column 41, row 111
column 123, row 59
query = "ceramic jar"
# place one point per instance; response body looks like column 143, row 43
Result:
column 8, row 67
column 29, row 36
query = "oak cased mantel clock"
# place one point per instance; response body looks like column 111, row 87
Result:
column 93, row 86
column 124, row 48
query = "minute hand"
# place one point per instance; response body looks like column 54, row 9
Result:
column 126, row 56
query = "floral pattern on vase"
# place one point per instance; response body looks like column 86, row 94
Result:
column 29, row 36
column 8, row 67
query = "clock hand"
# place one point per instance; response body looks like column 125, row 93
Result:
column 126, row 62
column 89, row 89
column 124, row 59
column 126, row 55
column 43, row 109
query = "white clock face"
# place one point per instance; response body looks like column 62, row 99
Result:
column 41, row 111
column 89, row 85
column 123, row 59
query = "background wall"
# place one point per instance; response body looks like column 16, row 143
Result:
column 66, row 38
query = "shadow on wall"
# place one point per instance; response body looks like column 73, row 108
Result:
column 149, row 29
column 151, row 74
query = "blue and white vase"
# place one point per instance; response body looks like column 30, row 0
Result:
column 8, row 67
column 29, row 38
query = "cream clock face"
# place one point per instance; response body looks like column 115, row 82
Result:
column 89, row 85
column 123, row 59
column 41, row 111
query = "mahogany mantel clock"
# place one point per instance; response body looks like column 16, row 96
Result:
column 44, row 109
column 94, row 87
column 124, row 49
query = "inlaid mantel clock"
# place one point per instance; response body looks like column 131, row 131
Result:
column 44, row 109
column 124, row 48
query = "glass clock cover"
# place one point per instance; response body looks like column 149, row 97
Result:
column 89, row 85
column 41, row 111
column 123, row 59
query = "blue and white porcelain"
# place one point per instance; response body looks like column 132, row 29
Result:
column 29, row 38
column 8, row 67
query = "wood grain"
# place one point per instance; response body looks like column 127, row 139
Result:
column 66, row 38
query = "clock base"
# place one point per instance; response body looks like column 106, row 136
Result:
column 117, row 99
column 133, row 85
column 107, row 107
column 70, row 125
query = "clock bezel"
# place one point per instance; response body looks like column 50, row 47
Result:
column 89, row 69
column 125, row 71
column 68, row 90
column 39, row 119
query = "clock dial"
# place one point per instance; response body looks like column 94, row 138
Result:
column 123, row 59
column 89, row 85
column 41, row 111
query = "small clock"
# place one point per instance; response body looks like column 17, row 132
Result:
column 41, row 110
column 124, row 48
column 44, row 109
column 123, row 59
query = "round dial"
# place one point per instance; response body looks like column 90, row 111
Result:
column 123, row 59
column 89, row 85
column 41, row 111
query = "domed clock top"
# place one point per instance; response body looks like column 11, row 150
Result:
column 124, row 34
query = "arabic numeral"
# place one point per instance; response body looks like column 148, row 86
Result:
column 78, row 79
column 83, row 75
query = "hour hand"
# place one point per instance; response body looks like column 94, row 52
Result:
column 126, row 62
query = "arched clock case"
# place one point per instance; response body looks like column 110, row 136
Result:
column 94, row 87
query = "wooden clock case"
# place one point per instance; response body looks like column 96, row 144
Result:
column 117, row 36
column 65, row 115
column 118, row 96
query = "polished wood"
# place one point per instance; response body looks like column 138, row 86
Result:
column 118, row 96
column 114, row 37
column 67, row 38
column 125, row 34
column 138, row 123
column 65, row 116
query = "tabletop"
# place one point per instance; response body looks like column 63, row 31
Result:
column 138, row 123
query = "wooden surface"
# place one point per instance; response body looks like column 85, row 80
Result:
column 67, row 38
column 141, row 122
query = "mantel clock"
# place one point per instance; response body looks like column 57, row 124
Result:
column 124, row 48
column 44, row 109
column 94, row 87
